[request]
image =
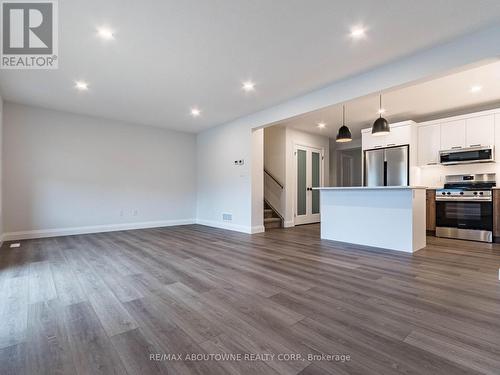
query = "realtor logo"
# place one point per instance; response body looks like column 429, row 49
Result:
column 29, row 34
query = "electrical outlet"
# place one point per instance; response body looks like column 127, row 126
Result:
column 121, row 213
column 227, row 217
column 135, row 213
column 15, row 244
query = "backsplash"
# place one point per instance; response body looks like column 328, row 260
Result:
column 433, row 175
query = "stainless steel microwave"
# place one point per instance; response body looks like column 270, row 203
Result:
column 466, row 155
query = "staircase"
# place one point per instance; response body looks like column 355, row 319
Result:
column 271, row 218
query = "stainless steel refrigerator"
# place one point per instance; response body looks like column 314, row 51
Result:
column 387, row 166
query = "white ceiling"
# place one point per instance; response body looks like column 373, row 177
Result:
column 170, row 55
column 440, row 97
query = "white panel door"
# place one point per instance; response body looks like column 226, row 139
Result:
column 429, row 144
column 453, row 134
column 480, row 131
column 308, row 175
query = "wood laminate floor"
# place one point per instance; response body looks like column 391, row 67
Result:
column 105, row 303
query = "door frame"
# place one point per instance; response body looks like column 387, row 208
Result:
column 296, row 146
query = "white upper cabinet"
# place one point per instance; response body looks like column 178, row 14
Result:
column 497, row 135
column 453, row 134
column 480, row 131
column 429, row 144
column 400, row 135
column 369, row 141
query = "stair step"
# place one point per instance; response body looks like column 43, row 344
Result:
column 268, row 213
column 271, row 219
column 272, row 222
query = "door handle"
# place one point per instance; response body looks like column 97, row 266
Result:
column 309, row 189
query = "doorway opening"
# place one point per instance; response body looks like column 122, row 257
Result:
column 349, row 167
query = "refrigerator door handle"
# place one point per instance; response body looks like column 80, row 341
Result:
column 385, row 172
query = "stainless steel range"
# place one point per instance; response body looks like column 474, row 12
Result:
column 464, row 208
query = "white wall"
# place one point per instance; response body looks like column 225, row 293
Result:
column 257, row 181
column 66, row 173
column 275, row 163
column 223, row 188
column 1, row 168
column 274, row 151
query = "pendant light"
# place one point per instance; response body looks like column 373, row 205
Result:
column 380, row 126
column 344, row 134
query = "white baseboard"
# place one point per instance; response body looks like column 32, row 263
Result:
column 258, row 229
column 229, row 226
column 288, row 224
column 56, row 232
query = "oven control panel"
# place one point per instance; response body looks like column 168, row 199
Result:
column 459, row 194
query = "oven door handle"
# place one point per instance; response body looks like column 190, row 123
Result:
column 445, row 199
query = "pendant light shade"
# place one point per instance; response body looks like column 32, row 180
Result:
column 381, row 126
column 344, row 134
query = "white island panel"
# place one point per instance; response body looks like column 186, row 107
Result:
column 390, row 218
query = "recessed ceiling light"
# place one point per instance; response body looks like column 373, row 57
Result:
column 476, row 88
column 248, row 86
column 195, row 112
column 81, row 85
column 358, row 32
column 321, row 125
column 105, row 33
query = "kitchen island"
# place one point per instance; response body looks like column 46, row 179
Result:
column 387, row 217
